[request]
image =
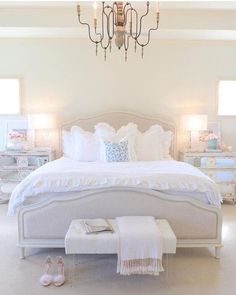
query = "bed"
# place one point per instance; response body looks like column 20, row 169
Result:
column 44, row 223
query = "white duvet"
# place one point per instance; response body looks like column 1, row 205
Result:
column 67, row 175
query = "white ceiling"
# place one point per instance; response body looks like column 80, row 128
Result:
column 189, row 4
column 179, row 20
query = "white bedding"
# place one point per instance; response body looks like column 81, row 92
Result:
column 67, row 175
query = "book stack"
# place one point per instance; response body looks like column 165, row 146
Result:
column 95, row 226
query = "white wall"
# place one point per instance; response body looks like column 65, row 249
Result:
column 175, row 77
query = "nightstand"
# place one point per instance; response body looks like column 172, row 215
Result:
column 16, row 165
column 219, row 166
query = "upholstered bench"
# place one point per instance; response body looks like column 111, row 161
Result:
column 78, row 242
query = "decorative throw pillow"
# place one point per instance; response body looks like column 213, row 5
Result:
column 105, row 132
column 116, row 152
column 86, row 145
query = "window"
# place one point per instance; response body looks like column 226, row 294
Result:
column 9, row 96
column 227, row 98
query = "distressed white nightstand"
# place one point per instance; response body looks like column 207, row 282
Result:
column 16, row 165
column 220, row 166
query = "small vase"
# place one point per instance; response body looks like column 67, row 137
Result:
column 212, row 144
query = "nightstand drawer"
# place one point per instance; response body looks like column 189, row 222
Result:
column 221, row 175
column 217, row 162
column 226, row 189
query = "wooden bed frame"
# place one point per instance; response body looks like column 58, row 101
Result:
column 44, row 224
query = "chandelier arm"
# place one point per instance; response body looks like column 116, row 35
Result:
column 97, row 33
column 113, row 30
column 105, row 47
column 131, row 31
column 126, row 42
column 126, row 4
column 89, row 31
column 136, row 18
column 141, row 19
column 115, row 8
column 108, row 27
column 149, row 36
column 113, row 12
column 126, row 15
column 103, row 9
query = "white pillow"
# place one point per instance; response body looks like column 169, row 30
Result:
column 67, row 144
column 105, row 132
column 149, row 144
column 86, row 145
column 166, row 144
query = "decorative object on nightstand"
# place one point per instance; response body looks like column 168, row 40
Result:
column 16, row 134
column 16, row 165
column 194, row 124
column 220, row 166
column 212, row 141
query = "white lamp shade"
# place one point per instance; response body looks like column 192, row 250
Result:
column 42, row 121
column 194, row 122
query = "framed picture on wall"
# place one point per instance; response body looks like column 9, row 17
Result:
column 16, row 134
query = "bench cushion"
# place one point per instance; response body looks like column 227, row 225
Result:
column 78, row 242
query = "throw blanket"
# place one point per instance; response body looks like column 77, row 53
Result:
column 139, row 246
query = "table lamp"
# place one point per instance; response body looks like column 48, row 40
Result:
column 194, row 124
column 42, row 127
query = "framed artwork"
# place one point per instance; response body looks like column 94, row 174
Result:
column 16, row 134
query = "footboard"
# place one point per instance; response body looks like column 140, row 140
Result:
column 45, row 224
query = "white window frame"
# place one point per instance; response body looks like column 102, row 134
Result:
column 218, row 99
column 18, row 112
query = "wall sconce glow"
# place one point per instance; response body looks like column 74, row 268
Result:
column 227, row 98
column 9, row 96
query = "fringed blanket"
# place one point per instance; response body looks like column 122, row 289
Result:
column 139, row 246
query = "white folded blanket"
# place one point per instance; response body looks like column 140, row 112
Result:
column 139, row 246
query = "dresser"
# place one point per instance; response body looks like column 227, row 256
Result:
column 219, row 166
column 16, row 165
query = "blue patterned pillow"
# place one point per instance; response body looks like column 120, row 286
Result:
column 116, row 152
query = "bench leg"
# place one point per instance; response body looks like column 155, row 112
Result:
column 75, row 259
column 167, row 267
column 22, row 253
column 75, row 267
column 217, row 252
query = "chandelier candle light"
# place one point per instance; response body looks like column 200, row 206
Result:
column 121, row 22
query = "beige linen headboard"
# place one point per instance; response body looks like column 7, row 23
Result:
column 118, row 119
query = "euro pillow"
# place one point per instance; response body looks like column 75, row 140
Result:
column 153, row 144
column 166, row 144
column 67, row 144
column 86, row 145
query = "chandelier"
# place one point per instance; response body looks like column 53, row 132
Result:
column 120, row 22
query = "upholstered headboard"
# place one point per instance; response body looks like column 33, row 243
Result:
column 118, row 119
